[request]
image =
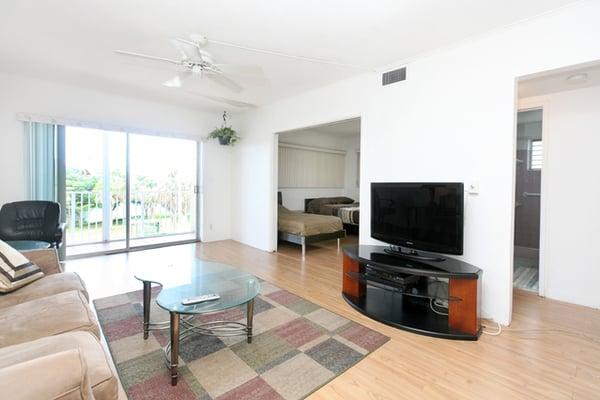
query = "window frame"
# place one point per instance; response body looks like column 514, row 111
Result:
column 530, row 149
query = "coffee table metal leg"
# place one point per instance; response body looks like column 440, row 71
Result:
column 249, row 317
column 147, row 301
column 174, row 347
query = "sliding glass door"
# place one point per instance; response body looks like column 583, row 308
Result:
column 127, row 190
column 95, row 198
column 162, row 189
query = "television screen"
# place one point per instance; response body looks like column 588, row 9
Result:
column 424, row 216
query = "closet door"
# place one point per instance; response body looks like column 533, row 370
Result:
column 306, row 167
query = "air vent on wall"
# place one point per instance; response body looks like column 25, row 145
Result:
column 394, row 76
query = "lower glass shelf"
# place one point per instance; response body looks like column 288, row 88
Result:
column 410, row 313
column 422, row 287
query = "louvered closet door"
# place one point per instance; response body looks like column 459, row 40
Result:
column 310, row 168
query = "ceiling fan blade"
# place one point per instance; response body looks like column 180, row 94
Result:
column 199, row 39
column 241, row 69
column 192, row 50
column 225, row 81
column 250, row 74
column 181, row 49
column 188, row 42
column 224, row 100
column 147, row 57
column 177, row 80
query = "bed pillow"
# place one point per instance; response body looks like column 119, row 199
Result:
column 314, row 206
column 15, row 269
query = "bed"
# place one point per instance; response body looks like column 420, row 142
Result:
column 302, row 228
column 342, row 207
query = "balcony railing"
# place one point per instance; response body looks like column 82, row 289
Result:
column 152, row 213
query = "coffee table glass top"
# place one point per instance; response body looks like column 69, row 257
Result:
column 235, row 286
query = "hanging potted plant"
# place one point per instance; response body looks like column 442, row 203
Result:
column 226, row 134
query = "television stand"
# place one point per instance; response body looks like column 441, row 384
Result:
column 411, row 294
column 411, row 255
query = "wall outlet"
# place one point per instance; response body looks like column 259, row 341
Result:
column 473, row 188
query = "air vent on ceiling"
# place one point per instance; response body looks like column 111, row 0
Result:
column 394, row 76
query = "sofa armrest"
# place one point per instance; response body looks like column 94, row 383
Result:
column 61, row 375
column 46, row 259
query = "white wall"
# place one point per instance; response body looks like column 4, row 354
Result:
column 20, row 94
column 215, row 191
column 452, row 120
column 293, row 198
column 571, row 195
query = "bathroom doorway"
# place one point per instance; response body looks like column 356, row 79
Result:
column 528, row 181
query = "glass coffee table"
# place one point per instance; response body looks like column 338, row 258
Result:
column 236, row 288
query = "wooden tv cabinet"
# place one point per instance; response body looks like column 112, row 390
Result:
column 412, row 294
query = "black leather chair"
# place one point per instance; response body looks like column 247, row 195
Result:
column 32, row 220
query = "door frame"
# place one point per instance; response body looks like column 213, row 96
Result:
column 530, row 105
column 274, row 240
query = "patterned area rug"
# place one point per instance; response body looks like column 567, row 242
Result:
column 297, row 348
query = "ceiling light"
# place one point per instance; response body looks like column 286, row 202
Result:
column 577, row 78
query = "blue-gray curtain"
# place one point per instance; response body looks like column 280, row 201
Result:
column 42, row 161
column 46, row 166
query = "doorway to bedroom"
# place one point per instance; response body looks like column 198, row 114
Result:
column 318, row 184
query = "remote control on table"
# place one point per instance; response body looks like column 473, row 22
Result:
column 200, row 299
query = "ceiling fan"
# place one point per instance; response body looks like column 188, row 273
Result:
column 194, row 61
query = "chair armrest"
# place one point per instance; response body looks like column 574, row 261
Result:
column 60, row 233
column 46, row 259
column 60, row 375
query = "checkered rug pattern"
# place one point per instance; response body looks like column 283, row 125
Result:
column 297, row 348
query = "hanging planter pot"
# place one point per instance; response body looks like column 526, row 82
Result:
column 225, row 134
column 224, row 140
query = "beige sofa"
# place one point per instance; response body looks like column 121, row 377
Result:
column 50, row 341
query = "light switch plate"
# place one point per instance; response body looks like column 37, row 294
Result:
column 473, row 188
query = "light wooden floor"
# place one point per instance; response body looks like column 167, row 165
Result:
column 551, row 350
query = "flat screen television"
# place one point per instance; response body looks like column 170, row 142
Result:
column 421, row 216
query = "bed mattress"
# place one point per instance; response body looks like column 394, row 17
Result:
column 303, row 224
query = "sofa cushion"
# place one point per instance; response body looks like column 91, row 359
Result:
column 52, row 315
column 101, row 374
column 47, row 286
column 39, row 378
column 15, row 270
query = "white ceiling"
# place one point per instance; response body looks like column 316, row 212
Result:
column 557, row 81
column 72, row 41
